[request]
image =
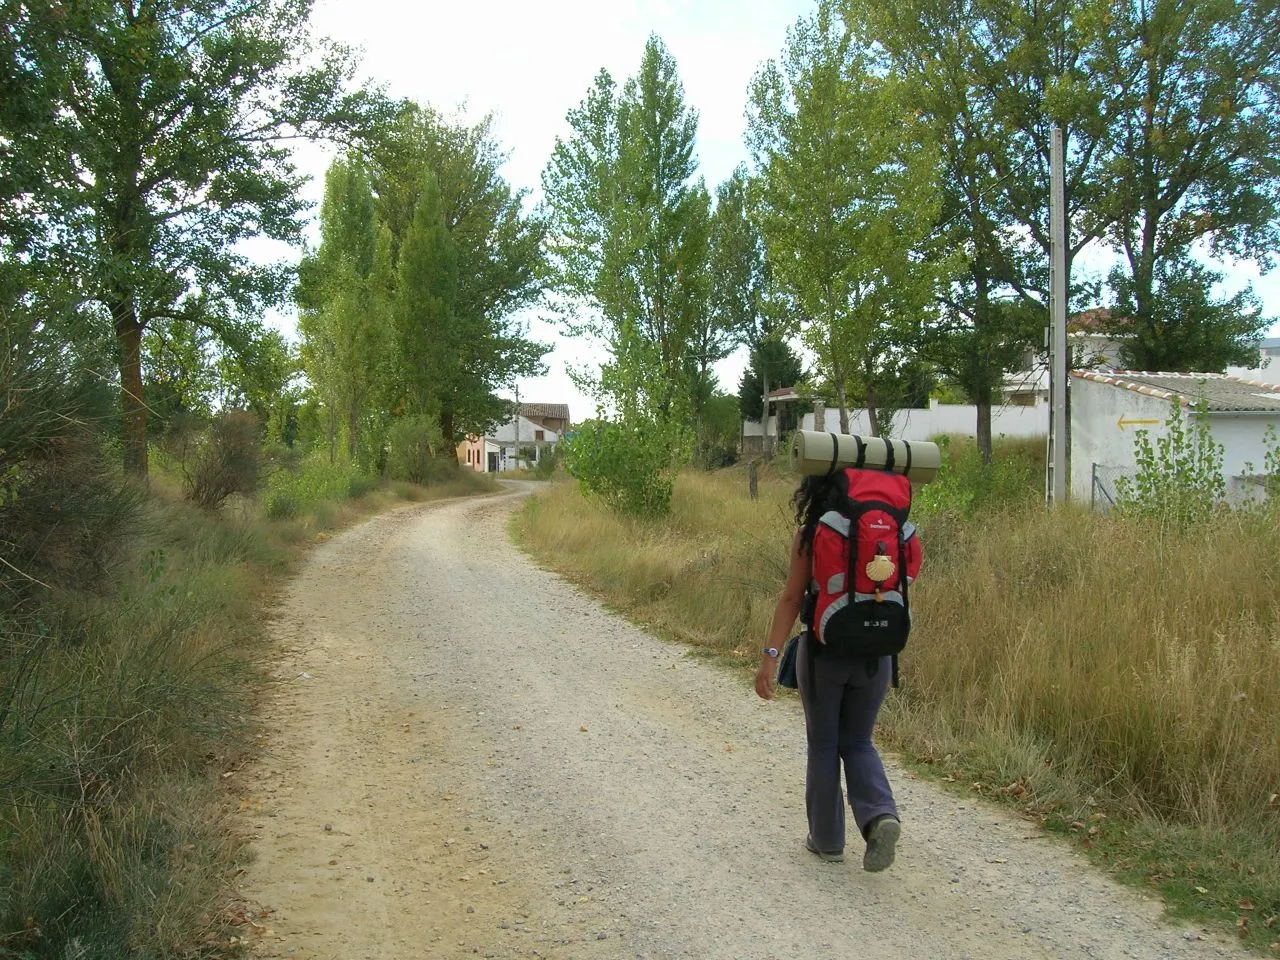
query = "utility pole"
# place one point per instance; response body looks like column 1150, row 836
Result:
column 516, row 425
column 764, row 417
column 1057, row 491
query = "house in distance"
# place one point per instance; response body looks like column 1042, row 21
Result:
column 518, row 443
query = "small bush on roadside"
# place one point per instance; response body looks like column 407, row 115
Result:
column 417, row 452
column 545, row 468
column 226, row 460
column 1179, row 481
column 715, row 454
column 626, row 465
column 965, row 484
column 289, row 493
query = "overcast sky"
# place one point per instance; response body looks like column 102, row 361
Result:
column 529, row 61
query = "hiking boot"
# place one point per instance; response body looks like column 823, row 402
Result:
column 882, row 837
column 830, row 856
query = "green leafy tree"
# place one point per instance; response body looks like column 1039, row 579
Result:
column 162, row 129
column 721, row 429
column 179, row 373
column 346, row 317
column 847, row 199
column 493, row 254
column 630, row 231
column 986, row 320
column 1035, row 65
column 1191, row 165
column 425, row 311
column 773, row 362
column 1183, row 327
column 745, row 302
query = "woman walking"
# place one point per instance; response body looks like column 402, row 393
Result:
column 841, row 695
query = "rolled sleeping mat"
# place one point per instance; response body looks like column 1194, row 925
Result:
column 816, row 453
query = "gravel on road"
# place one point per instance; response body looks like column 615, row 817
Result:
column 465, row 755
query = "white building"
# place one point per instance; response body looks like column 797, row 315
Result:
column 1108, row 408
column 515, row 445
column 1268, row 369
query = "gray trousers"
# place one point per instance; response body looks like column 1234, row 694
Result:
column 840, row 707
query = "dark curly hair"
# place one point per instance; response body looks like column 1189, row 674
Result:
column 814, row 497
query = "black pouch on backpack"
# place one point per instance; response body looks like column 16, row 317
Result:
column 787, row 664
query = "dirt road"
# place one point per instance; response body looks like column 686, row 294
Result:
column 466, row 756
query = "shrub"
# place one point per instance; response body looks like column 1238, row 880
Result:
column 545, row 468
column 416, row 451
column 716, row 454
column 1179, row 480
column 965, row 484
column 291, row 492
column 627, row 465
column 226, row 460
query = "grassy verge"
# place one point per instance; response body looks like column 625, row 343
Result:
column 1114, row 680
column 123, row 708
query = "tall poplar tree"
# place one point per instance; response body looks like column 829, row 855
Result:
column 848, row 197
column 1191, row 164
column 427, row 331
column 491, row 255
column 629, row 236
column 346, row 318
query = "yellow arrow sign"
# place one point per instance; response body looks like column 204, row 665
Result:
column 1127, row 422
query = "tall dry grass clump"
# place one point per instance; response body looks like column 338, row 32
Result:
column 1075, row 663
column 1147, row 656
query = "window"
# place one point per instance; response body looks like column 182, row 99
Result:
column 539, row 436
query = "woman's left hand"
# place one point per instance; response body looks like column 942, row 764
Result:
column 764, row 680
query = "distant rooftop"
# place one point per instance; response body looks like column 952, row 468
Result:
column 550, row 411
column 1219, row 392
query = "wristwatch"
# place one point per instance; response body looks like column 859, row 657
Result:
column 771, row 651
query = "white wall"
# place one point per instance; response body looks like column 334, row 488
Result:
column 505, row 432
column 1270, row 373
column 1097, row 435
column 921, row 424
column 1241, row 435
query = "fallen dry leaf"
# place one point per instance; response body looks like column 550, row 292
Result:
column 582, row 729
column 1245, row 904
column 1201, row 890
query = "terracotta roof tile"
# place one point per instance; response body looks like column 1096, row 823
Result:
column 1220, row 393
column 551, row 411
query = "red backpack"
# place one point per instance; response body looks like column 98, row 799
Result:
column 865, row 555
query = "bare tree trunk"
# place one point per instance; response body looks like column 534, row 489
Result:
column 446, row 430
column 873, row 410
column 132, row 408
column 764, row 415
column 353, row 431
column 842, row 398
column 984, row 422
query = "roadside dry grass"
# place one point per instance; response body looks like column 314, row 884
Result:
column 124, row 710
column 1118, row 681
